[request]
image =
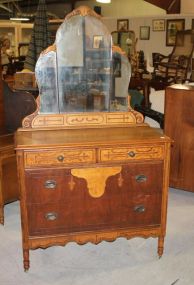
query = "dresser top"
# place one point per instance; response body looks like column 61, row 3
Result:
column 88, row 137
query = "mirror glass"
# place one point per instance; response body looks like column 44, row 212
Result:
column 81, row 72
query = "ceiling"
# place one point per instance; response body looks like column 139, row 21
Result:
column 9, row 8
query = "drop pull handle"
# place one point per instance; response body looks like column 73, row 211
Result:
column 50, row 184
column 139, row 208
column 60, row 158
column 51, row 216
column 141, row 178
column 131, row 153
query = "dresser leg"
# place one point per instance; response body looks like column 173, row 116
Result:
column 26, row 259
column 160, row 246
column 2, row 215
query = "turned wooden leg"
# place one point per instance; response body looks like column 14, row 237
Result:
column 26, row 259
column 2, row 215
column 160, row 246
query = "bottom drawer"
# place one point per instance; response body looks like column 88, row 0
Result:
column 94, row 214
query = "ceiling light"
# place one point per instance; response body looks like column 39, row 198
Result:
column 19, row 19
column 103, row 1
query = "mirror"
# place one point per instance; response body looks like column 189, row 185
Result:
column 81, row 72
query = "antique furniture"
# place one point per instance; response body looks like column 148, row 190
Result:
column 13, row 108
column 170, row 69
column 8, row 171
column 179, row 120
column 89, row 168
column 175, row 67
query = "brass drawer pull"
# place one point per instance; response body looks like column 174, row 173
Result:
column 140, row 178
column 50, row 184
column 139, row 208
column 60, row 158
column 51, row 216
column 131, row 153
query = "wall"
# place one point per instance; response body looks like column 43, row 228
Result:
column 124, row 8
column 187, row 6
column 157, row 41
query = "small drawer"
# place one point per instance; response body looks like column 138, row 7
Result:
column 131, row 153
column 59, row 157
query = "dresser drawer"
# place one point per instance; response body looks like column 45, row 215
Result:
column 142, row 210
column 59, row 157
column 131, row 153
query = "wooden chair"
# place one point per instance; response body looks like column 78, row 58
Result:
column 175, row 67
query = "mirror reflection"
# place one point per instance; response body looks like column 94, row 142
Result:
column 82, row 71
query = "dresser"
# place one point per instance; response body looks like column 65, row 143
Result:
column 90, row 169
column 179, row 121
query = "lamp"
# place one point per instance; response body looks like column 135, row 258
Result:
column 19, row 19
column 104, row 1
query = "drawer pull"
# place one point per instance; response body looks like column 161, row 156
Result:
column 140, row 178
column 51, row 216
column 131, row 153
column 50, row 184
column 139, row 208
column 60, row 158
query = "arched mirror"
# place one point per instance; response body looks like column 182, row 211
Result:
column 82, row 72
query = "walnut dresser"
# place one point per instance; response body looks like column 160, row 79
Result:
column 92, row 184
column 89, row 169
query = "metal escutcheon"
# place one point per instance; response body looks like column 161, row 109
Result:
column 51, row 216
column 140, row 178
column 139, row 208
column 50, row 184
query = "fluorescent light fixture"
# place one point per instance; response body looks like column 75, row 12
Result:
column 19, row 19
column 103, row 1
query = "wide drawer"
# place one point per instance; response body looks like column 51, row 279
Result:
column 140, row 210
column 131, row 153
column 59, row 157
column 54, row 185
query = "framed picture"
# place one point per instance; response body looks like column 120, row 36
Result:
column 122, row 24
column 144, row 33
column 158, row 25
column 172, row 26
column 192, row 24
column 97, row 41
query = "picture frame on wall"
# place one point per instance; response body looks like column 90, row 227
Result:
column 192, row 24
column 158, row 25
column 122, row 25
column 144, row 33
column 172, row 26
column 97, row 42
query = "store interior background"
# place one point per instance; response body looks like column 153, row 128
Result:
column 138, row 12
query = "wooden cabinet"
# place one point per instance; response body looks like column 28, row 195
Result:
column 9, row 191
column 179, row 121
column 17, row 33
column 8, row 170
